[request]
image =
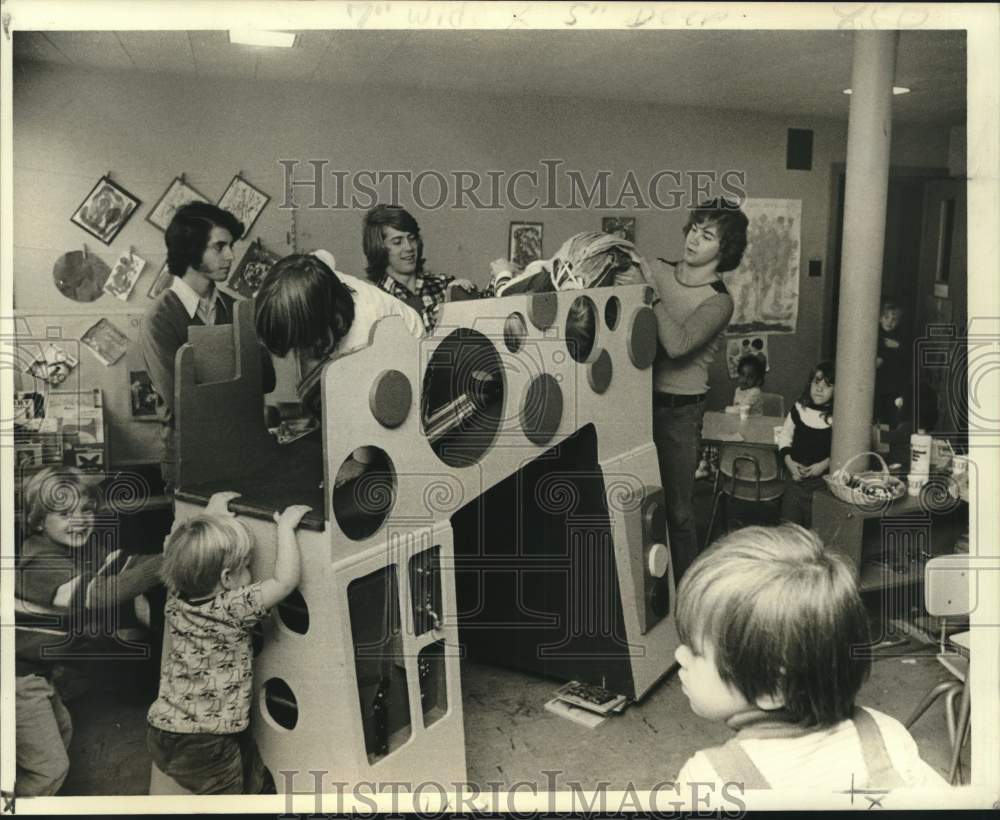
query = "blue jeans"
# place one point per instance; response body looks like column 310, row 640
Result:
column 209, row 764
column 677, row 434
column 43, row 732
column 796, row 503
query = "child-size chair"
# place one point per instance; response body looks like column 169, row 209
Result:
column 772, row 404
column 946, row 594
column 746, row 473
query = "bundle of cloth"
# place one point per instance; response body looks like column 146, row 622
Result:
column 585, row 260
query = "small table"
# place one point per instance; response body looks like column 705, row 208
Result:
column 720, row 428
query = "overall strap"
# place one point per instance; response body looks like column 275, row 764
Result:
column 881, row 771
column 733, row 765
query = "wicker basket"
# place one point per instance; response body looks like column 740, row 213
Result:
column 871, row 488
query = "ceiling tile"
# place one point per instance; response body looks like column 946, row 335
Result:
column 159, row 51
column 775, row 72
column 96, row 49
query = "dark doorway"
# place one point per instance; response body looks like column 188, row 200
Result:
column 904, row 217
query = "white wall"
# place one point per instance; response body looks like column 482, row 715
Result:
column 70, row 127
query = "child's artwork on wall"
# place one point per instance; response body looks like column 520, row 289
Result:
column 765, row 287
column 105, row 210
column 52, row 364
column 160, row 283
column 738, row 347
column 244, row 202
column 124, row 275
column 106, row 342
column 524, row 243
column 79, row 418
column 143, row 399
column 248, row 276
column 178, row 193
column 80, row 275
column 620, row 226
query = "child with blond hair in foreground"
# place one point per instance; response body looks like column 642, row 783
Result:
column 774, row 642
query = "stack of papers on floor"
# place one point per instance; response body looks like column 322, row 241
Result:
column 585, row 703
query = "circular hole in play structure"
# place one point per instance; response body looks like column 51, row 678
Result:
column 514, row 332
column 612, row 312
column 364, row 492
column 581, row 328
column 294, row 613
column 463, row 397
column 280, row 703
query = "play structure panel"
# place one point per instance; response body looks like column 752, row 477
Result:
column 510, row 511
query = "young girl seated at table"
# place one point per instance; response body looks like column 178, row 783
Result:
column 771, row 624
column 750, row 373
column 804, row 444
column 199, row 727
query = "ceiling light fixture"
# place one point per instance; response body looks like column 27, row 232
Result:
column 896, row 90
column 255, row 37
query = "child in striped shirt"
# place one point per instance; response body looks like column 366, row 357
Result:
column 770, row 625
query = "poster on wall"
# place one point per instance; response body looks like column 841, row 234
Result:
column 739, row 346
column 143, row 399
column 178, row 193
column 52, row 365
column 765, row 287
column 524, row 243
column 124, row 275
column 244, row 202
column 248, row 276
column 106, row 342
column 105, row 210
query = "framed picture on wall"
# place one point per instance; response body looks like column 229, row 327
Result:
column 524, row 243
column 178, row 193
column 620, row 226
column 143, row 399
column 244, row 202
column 105, row 210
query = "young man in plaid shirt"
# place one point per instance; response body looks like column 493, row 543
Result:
column 394, row 251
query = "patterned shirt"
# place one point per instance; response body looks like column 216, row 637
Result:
column 205, row 683
column 426, row 300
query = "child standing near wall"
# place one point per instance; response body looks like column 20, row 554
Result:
column 63, row 568
column 199, row 727
column 805, row 442
column 771, row 624
column 892, row 367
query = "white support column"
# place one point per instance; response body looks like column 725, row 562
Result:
column 869, row 134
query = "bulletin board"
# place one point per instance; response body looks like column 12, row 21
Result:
column 132, row 439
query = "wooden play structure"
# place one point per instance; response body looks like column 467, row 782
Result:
column 512, row 514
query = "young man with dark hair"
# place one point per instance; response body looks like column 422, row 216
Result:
column 199, row 244
column 394, row 251
column 692, row 308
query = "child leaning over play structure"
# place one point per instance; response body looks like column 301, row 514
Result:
column 75, row 585
column 804, row 443
column 307, row 306
column 771, row 625
column 199, row 727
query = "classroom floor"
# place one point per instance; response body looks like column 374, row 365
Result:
column 509, row 735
